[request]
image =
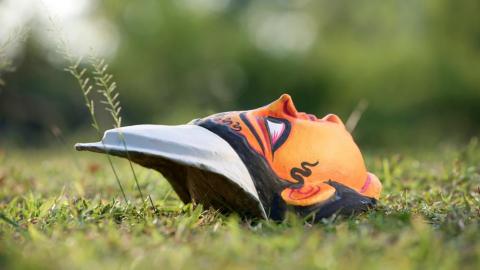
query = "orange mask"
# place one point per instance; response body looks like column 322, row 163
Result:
column 258, row 163
column 311, row 160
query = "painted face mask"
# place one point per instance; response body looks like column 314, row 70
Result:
column 259, row 163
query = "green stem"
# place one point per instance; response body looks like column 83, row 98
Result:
column 86, row 88
column 21, row 230
column 9, row 221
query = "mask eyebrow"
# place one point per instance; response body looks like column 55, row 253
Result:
column 249, row 125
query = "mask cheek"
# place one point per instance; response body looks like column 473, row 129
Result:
column 309, row 194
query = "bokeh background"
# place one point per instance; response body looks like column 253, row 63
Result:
column 416, row 63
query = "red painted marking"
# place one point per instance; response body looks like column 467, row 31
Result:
column 263, row 129
column 305, row 192
column 312, row 192
column 367, row 183
column 312, row 117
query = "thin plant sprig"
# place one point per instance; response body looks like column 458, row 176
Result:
column 6, row 64
column 107, row 88
column 356, row 115
column 85, row 83
column 112, row 104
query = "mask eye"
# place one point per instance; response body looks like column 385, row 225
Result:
column 278, row 130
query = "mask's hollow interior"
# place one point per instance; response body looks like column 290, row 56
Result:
column 197, row 185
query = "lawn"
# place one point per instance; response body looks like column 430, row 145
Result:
column 63, row 209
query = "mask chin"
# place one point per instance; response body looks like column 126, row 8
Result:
column 345, row 201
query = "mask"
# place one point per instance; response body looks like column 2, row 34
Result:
column 259, row 163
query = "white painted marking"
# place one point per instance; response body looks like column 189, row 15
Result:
column 275, row 130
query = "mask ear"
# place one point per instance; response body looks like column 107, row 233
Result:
column 334, row 119
column 284, row 104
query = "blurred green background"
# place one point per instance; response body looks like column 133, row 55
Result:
column 416, row 63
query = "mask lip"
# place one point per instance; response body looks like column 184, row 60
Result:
column 189, row 145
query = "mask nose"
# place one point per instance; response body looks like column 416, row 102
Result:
column 283, row 106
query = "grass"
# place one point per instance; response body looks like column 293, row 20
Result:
column 60, row 215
